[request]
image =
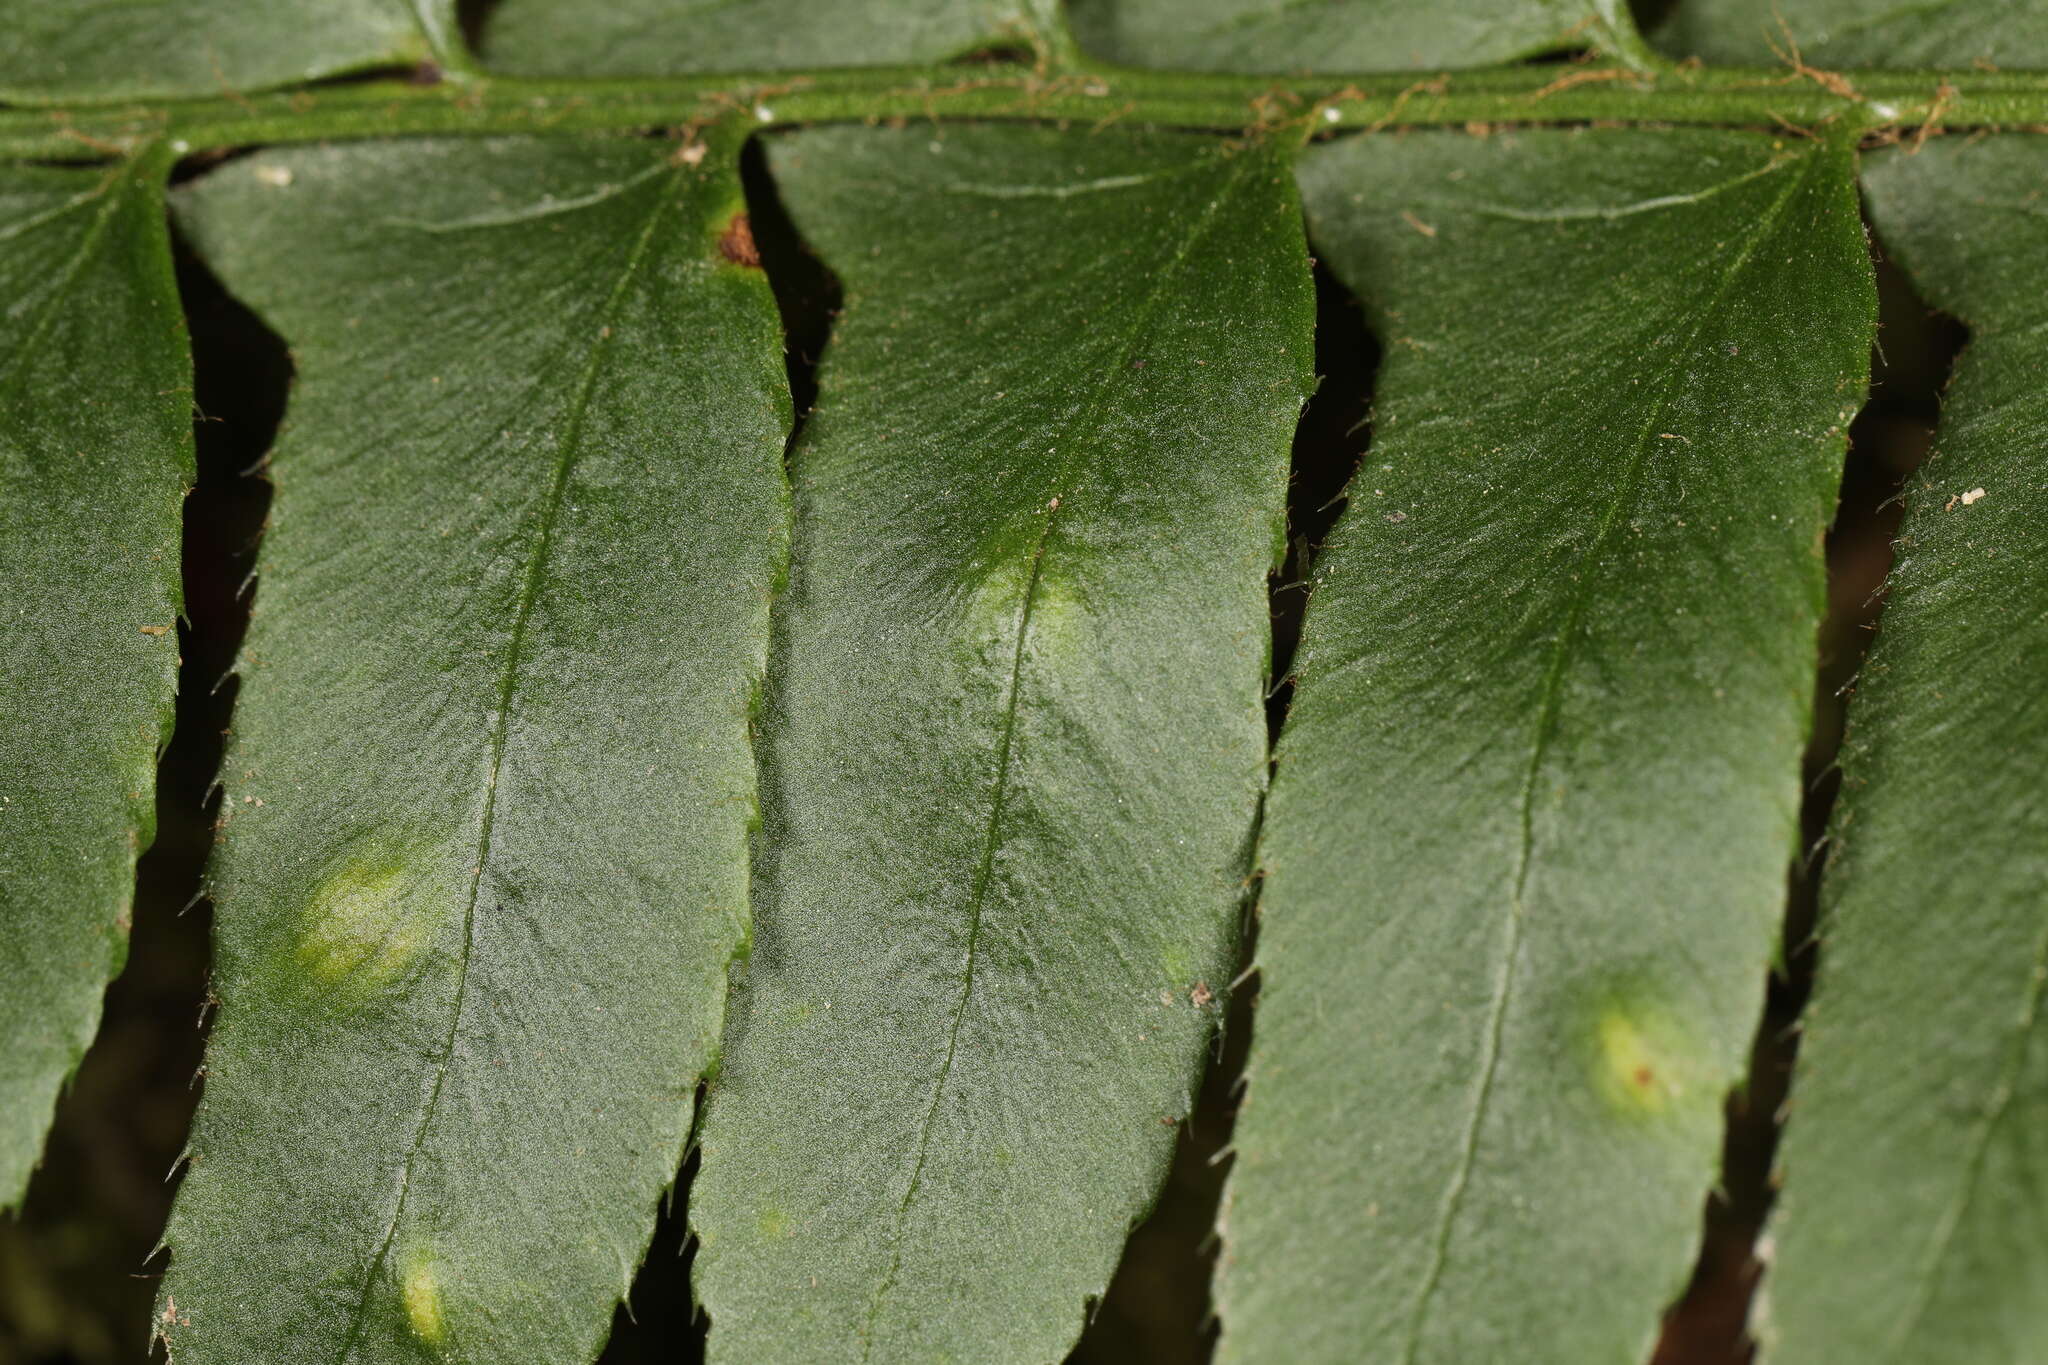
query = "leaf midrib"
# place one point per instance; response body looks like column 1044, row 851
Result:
column 1546, row 725
column 529, row 592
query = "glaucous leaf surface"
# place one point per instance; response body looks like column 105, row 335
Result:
column 57, row 50
column 1014, row 736
column 1526, row 848
column 95, row 460
column 671, row 37
column 1338, row 35
column 490, row 787
column 1913, row 1225
column 1850, row 33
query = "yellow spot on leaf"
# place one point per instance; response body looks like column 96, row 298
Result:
column 1057, row 627
column 422, row 1293
column 367, row 921
column 1635, row 1072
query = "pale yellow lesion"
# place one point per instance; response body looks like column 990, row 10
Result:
column 1058, row 625
column 420, row 1289
column 994, row 602
column 369, row 919
column 1639, row 1070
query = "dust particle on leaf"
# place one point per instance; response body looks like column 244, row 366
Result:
column 737, row 243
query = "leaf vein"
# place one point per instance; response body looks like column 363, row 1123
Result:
column 88, row 242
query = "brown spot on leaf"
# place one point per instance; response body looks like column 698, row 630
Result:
column 737, row 245
column 1200, row 995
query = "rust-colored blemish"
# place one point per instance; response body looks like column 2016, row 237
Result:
column 737, row 245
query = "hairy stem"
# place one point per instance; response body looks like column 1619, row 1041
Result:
column 1588, row 92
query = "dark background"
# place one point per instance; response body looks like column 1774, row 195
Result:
column 77, row 1271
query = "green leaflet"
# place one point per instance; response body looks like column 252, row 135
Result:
column 490, row 786
column 57, row 50
column 1913, row 1225
column 1846, row 33
column 671, row 37
column 1014, row 737
column 1526, row 846
column 1343, row 35
column 95, row 460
